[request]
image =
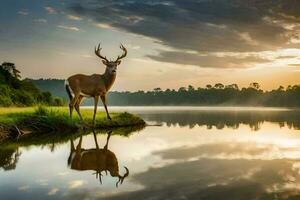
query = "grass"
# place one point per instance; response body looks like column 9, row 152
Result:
column 40, row 120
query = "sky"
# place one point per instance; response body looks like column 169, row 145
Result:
column 170, row 43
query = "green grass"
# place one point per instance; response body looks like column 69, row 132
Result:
column 56, row 120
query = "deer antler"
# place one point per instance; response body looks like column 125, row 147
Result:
column 121, row 178
column 97, row 52
column 124, row 53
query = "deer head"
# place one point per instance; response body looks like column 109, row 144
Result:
column 111, row 66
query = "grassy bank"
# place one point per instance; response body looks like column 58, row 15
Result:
column 20, row 122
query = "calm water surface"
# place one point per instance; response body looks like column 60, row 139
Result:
column 194, row 153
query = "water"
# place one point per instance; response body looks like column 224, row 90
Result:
column 188, row 153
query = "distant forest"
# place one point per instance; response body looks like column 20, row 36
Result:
column 216, row 95
column 17, row 92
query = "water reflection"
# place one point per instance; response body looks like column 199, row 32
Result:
column 179, row 161
column 9, row 158
column 228, row 118
column 96, row 159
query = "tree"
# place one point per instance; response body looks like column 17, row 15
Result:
column 158, row 89
column 255, row 85
column 17, row 92
column 208, row 86
column 233, row 86
column 191, row 88
column 182, row 89
column 219, row 86
column 280, row 88
column 11, row 68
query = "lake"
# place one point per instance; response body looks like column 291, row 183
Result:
column 185, row 153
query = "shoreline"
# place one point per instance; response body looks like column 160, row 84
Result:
column 16, row 123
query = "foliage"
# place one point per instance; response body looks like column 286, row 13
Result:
column 218, row 94
column 215, row 94
column 17, row 92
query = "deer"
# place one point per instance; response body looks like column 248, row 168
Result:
column 97, row 159
column 79, row 86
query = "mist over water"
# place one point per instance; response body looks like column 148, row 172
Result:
column 194, row 153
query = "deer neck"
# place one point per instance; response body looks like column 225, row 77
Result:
column 109, row 79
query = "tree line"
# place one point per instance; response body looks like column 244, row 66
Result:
column 17, row 92
column 217, row 94
column 210, row 95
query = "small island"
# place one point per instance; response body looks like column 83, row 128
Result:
column 21, row 122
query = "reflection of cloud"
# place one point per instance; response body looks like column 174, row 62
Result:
column 213, row 179
column 71, row 28
column 50, row 10
column 75, row 184
column 63, row 173
column 53, row 191
column 42, row 182
column 241, row 150
column 24, row 188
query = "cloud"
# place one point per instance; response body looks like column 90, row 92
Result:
column 71, row 28
column 50, row 10
column 201, row 26
column 295, row 65
column 40, row 20
column 103, row 25
column 23, row 12
column 73, row 17
column 53, row 191
column 208, row 60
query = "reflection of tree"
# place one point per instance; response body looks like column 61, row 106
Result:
column 9, row 158
column 229, row 119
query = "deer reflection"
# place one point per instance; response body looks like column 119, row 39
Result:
column 97, row 159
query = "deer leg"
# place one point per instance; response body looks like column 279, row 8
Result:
column 103, row 98
column 78, row 148
column 107, row 140
column 72, row 104
column 71, row 109
column 77, row 106
column 72, row 145
column 95, row 138
column 96, row 99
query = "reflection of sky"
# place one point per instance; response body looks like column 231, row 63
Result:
column 164, row 159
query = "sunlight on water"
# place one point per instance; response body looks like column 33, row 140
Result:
column 190, row 108
column 207, row 153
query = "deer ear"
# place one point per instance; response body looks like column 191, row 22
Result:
column 104, row 62
column 119, row 62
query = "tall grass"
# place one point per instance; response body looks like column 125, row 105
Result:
column 43, row 119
